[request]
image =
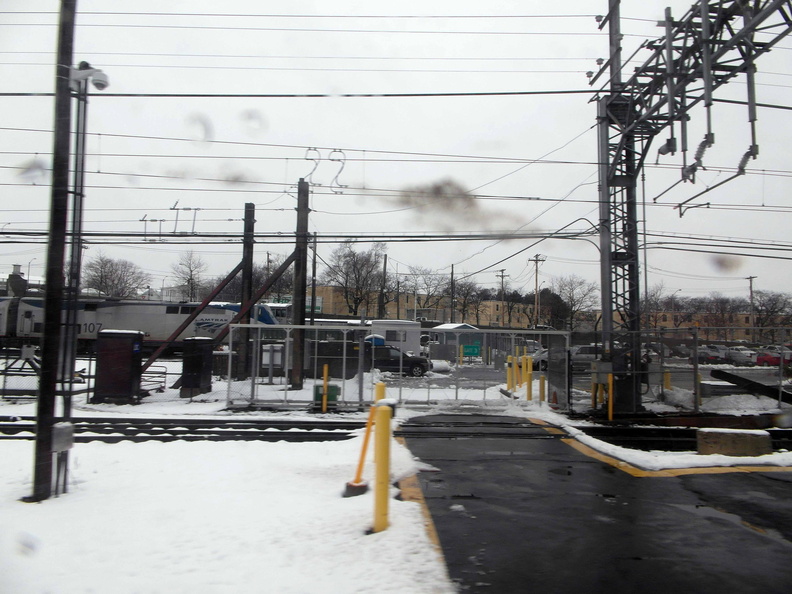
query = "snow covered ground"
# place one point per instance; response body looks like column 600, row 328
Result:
column 250, row 516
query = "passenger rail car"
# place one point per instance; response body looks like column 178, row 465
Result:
column 23, row 318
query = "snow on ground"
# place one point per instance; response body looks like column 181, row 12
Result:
column 254, row 516
column 209, row 517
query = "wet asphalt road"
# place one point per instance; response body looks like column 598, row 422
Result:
column 519, row 510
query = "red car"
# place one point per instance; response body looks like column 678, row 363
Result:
column 770, row 359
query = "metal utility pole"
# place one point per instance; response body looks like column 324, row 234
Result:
column 750, row 280
column 53, row 300
column 712, row 44
column 502, row 275
column 383, row 285
column 536, row 260
column 300, row 284
column 453, row 294
column 313, row 281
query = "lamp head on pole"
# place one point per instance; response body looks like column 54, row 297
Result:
column 85, row 72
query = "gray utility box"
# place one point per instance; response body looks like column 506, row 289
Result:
column 196, row 367
column 119, row 363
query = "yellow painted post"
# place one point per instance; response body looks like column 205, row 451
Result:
column 667, row 380
column 541, row 388
column 509, row 373
column 524, row 369
column 594, row 390
column 359, row 472
column 325, row 384
column 460, row 355
column 379, row 391
column 610, row 396
column 601, row 393
column 517, row 373
column 382, row 439
column 529, row 380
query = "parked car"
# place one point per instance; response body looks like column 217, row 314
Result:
column 740, row 355
column 709, row 355
column 656, row 348
column 582, row 356
column 540, row 360
column 767, row 359
column 772, row 348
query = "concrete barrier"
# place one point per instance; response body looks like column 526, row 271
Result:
column 734, row 442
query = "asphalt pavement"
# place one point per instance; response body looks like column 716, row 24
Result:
column 518, row 509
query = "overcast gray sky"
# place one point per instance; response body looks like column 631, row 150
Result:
column 530, row 159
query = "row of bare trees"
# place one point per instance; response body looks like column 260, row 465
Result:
column 769, row 309
column 367, row 286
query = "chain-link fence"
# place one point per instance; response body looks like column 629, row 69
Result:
column 342, row 362
column 680, row 367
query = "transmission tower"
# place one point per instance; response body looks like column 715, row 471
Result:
column 712, row 44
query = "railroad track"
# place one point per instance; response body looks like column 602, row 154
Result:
column 114, row 429
column 464, row 428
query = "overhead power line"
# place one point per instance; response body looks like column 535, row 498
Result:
column 320, row 95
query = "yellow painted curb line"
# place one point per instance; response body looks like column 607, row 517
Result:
column 410, row 488
column 640, row 472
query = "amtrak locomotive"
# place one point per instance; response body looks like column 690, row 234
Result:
column 22, row 318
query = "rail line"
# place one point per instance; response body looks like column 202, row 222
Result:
column 114, row 430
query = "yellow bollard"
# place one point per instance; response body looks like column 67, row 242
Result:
column 382, row 439
column 611, row 397
column 594, row 391
column 667, row 380
column 357, row 486
column 541, row 388
column 509, row 373
column 325, row 384
column 529, row 384
column 517, row 373
column 379, row 391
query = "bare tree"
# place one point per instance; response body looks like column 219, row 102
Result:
column 188, row 272
column 718, row 313
column 261, row 273
column 115, row 278
column 477, row 300
column 465, row 293
column 578, row 294
column 357, row 274
column 512, row 302
column 771, row 309
column 429, row 287
column 653, row 305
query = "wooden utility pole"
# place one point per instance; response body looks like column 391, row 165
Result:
column 243, row 349
column 536, row 260
column 300, row 284
column 53, row 300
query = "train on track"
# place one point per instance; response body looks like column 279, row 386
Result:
column 22, row 319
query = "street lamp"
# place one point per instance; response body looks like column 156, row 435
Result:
column 673, row 307
column 28, row 271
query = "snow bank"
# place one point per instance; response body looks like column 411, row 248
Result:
column 209, row 517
